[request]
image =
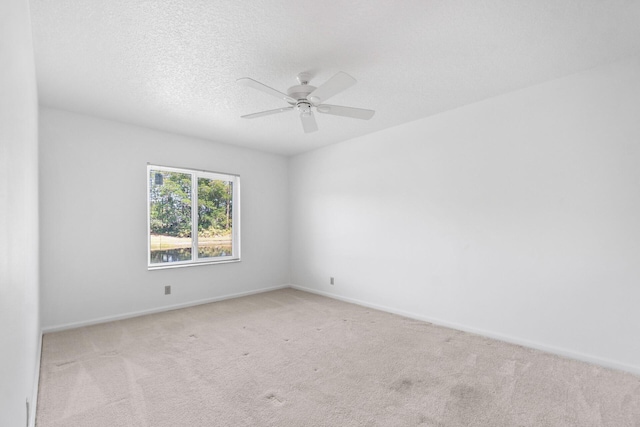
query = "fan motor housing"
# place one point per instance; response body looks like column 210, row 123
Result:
column 300, row 92
column 303, row 106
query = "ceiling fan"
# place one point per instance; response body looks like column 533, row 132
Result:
column 305, row 98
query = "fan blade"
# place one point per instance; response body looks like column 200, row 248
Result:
column 333, row 86
column 337, row 110
column 308, row 122
column 246, row 81
column 267, row 113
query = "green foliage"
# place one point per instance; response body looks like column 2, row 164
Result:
column 214, row 207
column 171, row 205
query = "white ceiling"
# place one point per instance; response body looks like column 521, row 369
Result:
column 172, row 64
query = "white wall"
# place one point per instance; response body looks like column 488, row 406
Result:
column 93, row 220
column 19, row 319
column 518, row 217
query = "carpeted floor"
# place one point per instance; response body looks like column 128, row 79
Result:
column 290, row 358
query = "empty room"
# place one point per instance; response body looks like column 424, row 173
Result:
column 341, row 213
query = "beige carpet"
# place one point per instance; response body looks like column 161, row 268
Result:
column 289, row 358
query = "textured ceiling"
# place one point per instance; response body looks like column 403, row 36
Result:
column 172, row 64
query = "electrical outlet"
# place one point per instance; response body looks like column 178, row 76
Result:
column 167, row 290
column 331, row 282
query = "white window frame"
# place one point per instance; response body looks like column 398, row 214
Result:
column 235, row 209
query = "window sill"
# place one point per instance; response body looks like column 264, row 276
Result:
column 190, row 264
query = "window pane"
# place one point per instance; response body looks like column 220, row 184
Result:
column 215, row 218
column 170, row 216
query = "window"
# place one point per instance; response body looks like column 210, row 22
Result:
column 180, row 235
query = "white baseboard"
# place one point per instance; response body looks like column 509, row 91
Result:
column 36, row 384
column 122, row 316
column 607, row 363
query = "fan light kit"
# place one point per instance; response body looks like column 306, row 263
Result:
column 304, row 98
